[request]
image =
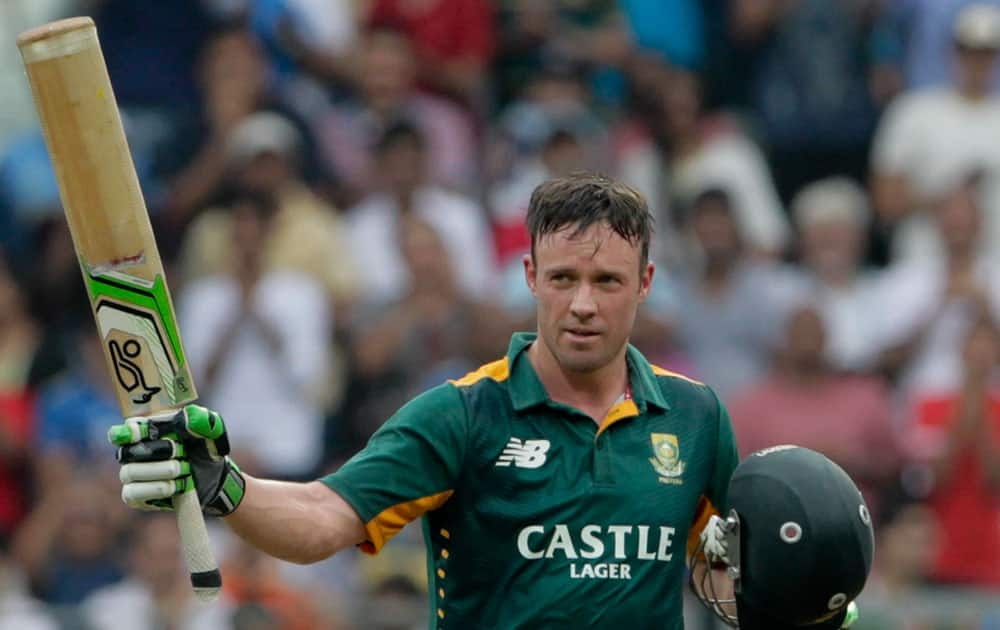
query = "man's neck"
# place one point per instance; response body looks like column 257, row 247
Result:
column 594, row 393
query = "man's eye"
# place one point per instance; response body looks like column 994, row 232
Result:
column 608, row 279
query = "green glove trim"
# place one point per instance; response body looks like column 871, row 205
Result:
column 852, row 616
column 203, row 422
column 120, row 434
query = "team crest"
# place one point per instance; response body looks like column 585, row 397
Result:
column 667, row 460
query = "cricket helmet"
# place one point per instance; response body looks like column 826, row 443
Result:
column 796, row 545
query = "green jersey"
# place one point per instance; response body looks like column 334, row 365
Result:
column 535, row 516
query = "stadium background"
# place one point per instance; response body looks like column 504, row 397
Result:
column 337, row 188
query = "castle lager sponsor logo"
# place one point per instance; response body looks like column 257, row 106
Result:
column 594, row 542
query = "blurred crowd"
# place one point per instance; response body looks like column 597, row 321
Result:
column 338, row 190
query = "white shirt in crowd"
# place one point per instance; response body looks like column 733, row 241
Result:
column 726, row 160
column 271, row 401
column 130, row 604
column 852, row 341
column 461, row 224
column 18, row 609
column 730, row 161
column 934, row 137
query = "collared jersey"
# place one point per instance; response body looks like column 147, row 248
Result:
column 535, row 516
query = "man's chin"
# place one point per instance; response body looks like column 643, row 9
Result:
column 581, row 362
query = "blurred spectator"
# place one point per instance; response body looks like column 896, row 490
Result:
column 18, row 609
column 151, row 48
column 156, row 591
column 673, row 30
column 387, row 71
column 404, row 159
column 437, row 330
column 57, row 297
column 18, row 112
column 19, row 340
column 726, row 311
column 258, row 340
column 592, row 35
column 553, row 99
column 833, row 217
column 958, row 435
column 19, row 334
column 907, row 541
column 306, row 36
column 263, row 156
column 926, row 304
column 803, row 401
column 75, row 409
column 919, row 34
column 453, row 41
column 930, row 138
column 396, row 603
column 697, row 152
column 234, row 84
column 69, row 544
column 809, row 67
column 253, row 582
column 561, row 154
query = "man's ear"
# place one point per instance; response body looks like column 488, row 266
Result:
column 646, row 280
column 530, row 272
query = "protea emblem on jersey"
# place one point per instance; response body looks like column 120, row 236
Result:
column 666, row 458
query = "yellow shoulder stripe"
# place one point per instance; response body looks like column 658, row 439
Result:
column 390, row 520
column 661, row 372
column 498, row 370
column 703, row 512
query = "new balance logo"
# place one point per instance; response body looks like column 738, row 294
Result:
column 524, row 453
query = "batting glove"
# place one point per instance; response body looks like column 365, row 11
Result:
column 166, row 454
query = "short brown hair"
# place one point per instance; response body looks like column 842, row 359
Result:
column 583, row 199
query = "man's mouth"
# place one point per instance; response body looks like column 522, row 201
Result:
column 582, row 333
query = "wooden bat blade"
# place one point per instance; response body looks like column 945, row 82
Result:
column 114, row 243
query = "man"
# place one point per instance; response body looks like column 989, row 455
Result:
column 803, row 399
column 930, row 138
column 832, row 217
column 258, row 341
column 405, row 189
column 557, row 484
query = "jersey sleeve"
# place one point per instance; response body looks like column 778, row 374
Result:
column 715, row 499
column 410, row 466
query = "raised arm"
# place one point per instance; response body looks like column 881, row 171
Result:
column 162, row 455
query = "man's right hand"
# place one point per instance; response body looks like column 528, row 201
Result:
column 164, row 454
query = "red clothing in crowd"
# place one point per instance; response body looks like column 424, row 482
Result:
column 17, row 424
column 847, row 418
column 442, row 30
column 967, row 509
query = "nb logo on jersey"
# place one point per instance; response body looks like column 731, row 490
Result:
column 524, row 453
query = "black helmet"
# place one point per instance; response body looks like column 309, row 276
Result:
column 796, row 544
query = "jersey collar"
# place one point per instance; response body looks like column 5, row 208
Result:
column 526, row 390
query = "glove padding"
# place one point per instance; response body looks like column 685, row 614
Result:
column 713, row 536
column 167, row 454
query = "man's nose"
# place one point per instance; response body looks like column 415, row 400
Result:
column 583, row 306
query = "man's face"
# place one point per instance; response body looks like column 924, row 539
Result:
column 587, row 288
column 716, row 232
column 388, row 70
column 975, row 67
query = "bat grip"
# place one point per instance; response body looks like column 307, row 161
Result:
column 205, row 577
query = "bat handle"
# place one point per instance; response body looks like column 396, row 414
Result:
column 205, row 577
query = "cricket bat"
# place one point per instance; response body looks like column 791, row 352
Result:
column 114, row 243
